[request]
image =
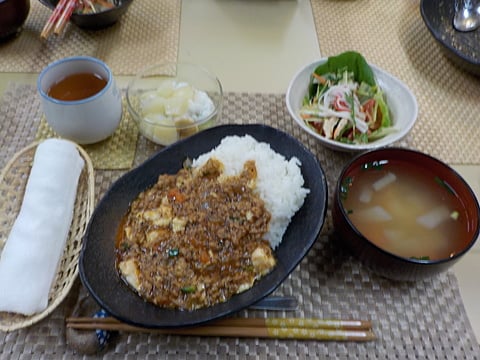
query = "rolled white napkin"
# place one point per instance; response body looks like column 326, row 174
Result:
column 30, row 257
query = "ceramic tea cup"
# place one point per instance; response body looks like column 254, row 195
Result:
column 80, row 99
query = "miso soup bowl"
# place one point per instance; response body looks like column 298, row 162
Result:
column 379, row 260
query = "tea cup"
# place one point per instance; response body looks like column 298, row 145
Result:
column 82, row 118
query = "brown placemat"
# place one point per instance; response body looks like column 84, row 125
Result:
column 116, row 152
column 147, row 33
column 419, row 320
column 391, row 34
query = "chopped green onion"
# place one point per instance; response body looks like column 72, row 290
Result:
column 375, row 165
column 444, row 184
column 454, row 215
column 420, row 257
column 362, row 137
column 345, row 187
column 189, row 289
column 173, row 252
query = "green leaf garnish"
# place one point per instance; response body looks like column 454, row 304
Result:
column 189, row 289
column 352, row 62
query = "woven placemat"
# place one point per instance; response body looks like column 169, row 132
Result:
column 116, row 152
column 147, row 33
column 419, row 320
column 392, row 35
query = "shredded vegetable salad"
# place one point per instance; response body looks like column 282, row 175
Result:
column 341, row 108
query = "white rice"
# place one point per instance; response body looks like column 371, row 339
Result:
column 279, row 181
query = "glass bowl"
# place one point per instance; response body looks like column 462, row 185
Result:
column 172, row 101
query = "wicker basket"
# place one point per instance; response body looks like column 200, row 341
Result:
column 13, row 180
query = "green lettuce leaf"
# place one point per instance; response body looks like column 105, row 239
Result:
column 351, row 60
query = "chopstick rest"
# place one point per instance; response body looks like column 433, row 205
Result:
column 30, row 257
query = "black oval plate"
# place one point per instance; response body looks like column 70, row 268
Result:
column 97, row 259
column 463, row 48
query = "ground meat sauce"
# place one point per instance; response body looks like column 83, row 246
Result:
column 195, row 238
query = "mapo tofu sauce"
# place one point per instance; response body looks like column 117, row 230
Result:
column 195, row 238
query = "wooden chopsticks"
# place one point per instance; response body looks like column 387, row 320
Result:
column 63, row 11
column 278, row 328
column 59, row 17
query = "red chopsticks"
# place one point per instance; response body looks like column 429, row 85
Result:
column 59, row 18
column 64, row 10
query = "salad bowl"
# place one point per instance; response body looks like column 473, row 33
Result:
column 401, row 102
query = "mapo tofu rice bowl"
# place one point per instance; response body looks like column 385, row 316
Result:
column 200, row 236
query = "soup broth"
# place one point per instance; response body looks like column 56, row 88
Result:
column 406, row 210
column 77, row 87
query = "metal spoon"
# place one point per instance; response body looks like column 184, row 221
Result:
column 466, row 16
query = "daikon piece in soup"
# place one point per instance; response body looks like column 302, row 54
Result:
column 406, row 210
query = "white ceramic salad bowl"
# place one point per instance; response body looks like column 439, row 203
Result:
column 400, row 100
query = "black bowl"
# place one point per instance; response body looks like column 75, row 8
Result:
column 13, row 14
column 462, row 48
column 96, row 21
column 97, row 260
column 379, row 260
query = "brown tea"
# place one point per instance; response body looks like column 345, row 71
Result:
column 77, row 86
